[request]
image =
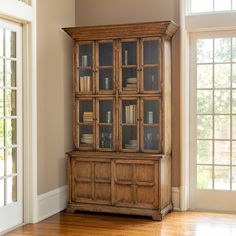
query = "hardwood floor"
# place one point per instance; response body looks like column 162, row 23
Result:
column 176, row 223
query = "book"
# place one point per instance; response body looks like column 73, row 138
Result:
column 85, row 84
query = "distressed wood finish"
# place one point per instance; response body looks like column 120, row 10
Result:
column 121, row 180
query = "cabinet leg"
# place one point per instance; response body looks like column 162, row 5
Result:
column 70, row 210
column 157, row 217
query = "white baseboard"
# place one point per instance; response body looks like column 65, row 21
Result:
column 176, row 198
column 51, row 203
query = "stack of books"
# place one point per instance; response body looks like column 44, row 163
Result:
column 131, row 84
column 88, row 117
column 130, row 114
column 87, row 138
column 132, row 144
column 85, row 85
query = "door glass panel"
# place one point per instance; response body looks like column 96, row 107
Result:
column 222, row 127
column 85, row 81
column 85, row 55
column 106, row 79
column 10, row 44
column 151, row 111
column 129, row 53
column 106, row 136
column 1, row 72
column 222, row 152
column 152, row 138
column 204, row 177
column 105, row 54
column 204, row 127
column 106, row 111
column 1, row 42
column 2, row 192
column 10, row 132
column 1, row 163
column 11, row 161
column 1, row 102
column 204, row 76
column 234, row 153
column 151, row 78
column 86, row 136
column 129, row 124
column 222, row 177
column 204, row 101
column 11, row 189
column 222, row 101
column 10, row 102
column 234, row 178
column 151, row 52
column 204, row 152
column 10, row 80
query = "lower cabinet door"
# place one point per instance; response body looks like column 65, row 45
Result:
column 135, row 183
column 91, row 181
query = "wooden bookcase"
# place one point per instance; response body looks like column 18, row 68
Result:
column 121, row 162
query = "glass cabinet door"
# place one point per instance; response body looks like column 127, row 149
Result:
column 85, row 124
column 105, row 137
column 85, row 68
column 129, row 140
column 151, row 119
column 128, row 71
column 105, row 60
column 151, row 49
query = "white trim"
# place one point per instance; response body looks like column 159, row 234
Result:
column 51, row 203
column 176, row 198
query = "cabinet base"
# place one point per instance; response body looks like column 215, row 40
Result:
column 155, row 214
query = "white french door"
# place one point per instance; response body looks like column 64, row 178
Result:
column 11, row 162
column 213, row 121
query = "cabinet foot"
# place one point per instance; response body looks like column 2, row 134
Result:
column 70, row 210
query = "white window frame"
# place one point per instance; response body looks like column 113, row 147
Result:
column 16, row 11
column 210, row 21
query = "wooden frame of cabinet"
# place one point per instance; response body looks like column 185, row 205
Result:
column 131, row 176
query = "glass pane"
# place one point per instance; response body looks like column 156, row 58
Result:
column 222, row 152
column 85, row 81
column 204, row 47
column 1, row 102
column 105, row 54
column 129, row 53
column 10, row 43
column 85, row 55
column 224, row 5
column 204, row 152
column 151, row 79
column 11, row 190
column 10, row 102
column 129, row 79
column 129, row 137
column 10, row 80
column 204, row 101
column 106, row 111
column 152, row 138
column 222, row 178
column 204, row 76
column 204, row 127
column 223, row 49
column 222, row 101
column 151, row 111
column 2, row 125
column 234, row 127
column 234, row 101
column 234, row 152
column 105, row 79
column 129, row 111
column 1, row 192
column 1, row 41
column 1, row 72
column 234, row 178
column 151, row 52
column 105, row 137
column 222, row 127
column 234, row 74
column 11, row 161
column 1, row 163
column 10, row 132
column 204, row 177
column 86, row 136
column 222, row 76
column 85, row 111
column 234, row 46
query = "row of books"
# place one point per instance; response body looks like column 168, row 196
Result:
column 85, row 84
column 88, row 117
column 130, row 114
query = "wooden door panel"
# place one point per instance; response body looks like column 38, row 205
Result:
column 145, row 197
column 102, row 192
column 124, row 172
column 82, row 192
column 82, row 169
column 124, row 195
column 102, row 171
column 145, row 173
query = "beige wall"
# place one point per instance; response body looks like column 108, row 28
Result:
column 92, row 12
column 54, row 75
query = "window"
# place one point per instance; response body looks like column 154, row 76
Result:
column 197, row 6
column 26, row 1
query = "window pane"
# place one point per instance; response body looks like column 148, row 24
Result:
column 2, row 124
column 11, row 161
column 10, row 43
column 234, row 74
column 234, row 101
column 10, row 132
column 10, row 102
column 222, row 152
column 222, row 178
column 1, row 102
column 1, row 41
column 234, row 48
column 205, row 50
column 204, row 76
column 222, row 101
column 204, row 152
column 201, row 5
column 204, row 177
column 220, row 5
column 222, row 127
column 234, row 127
column 1, row 72
column 11, row 189
column 105, row 54
column 234, row 178
column 1, row 192
column 222, row 76
column 204, row 127
column 1, row 163
column 234, row 152
column 10, row 80
column 204, row 101
column 222, row 49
